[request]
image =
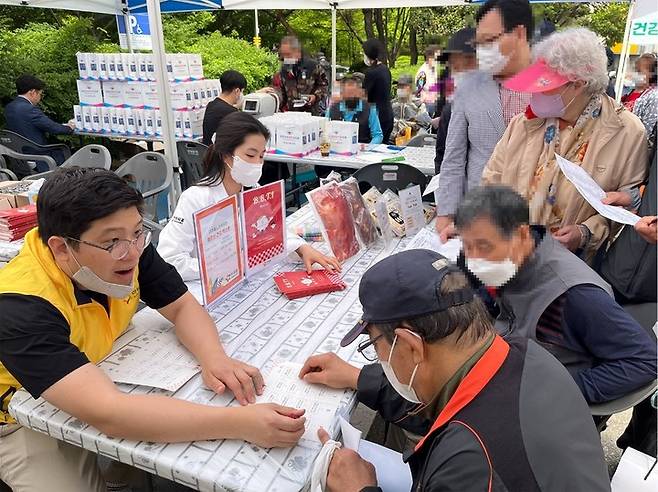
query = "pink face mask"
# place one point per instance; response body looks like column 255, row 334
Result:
column 548, row 106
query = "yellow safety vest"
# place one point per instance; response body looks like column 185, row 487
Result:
column 34, row 272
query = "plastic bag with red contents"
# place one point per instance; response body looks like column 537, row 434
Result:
column 365, row 225
column 333, row 210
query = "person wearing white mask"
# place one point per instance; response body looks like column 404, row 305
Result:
column 66, row 298
column 642, row 79
column 234, row 162
column 482, row 106
column 545, row 293
column 230, row 100
column 491, row 411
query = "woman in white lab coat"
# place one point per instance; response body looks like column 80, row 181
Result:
column 234, row 161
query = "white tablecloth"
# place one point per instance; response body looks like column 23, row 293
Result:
column 259, row 326
column 418, row 157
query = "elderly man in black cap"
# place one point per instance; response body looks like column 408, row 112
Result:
column 499, row 415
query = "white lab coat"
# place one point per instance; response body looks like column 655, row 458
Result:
column 177, row 243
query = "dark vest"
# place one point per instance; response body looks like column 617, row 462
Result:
column 545, row 276
column 362, row 118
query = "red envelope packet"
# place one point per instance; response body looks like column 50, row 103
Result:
column 300, row 284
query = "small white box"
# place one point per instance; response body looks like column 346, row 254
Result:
column 178, row 124
column 179, row 97
column 290, row 138
column 149, row 122
column 114, row 120
column 95, row 119
column 187, row 124
column 180, row 68
column 83, row 65
column 209, row 93
column 130, row 66
column 131, row 122
column 119, row 66
column 150, row 93
column 158, row 122
column 344, row 137
column 77, row 116
column 271, row 124
column 216, row 88
column 134, row 95
column 195, row 66
column 150, row 68
column 111, row 59
column 92, row 66
column 86, row 118
column 90, row 92
column 102, row 67
column 106, row 120
column 142, row 72
column 196, row 89
column 139, row 121
column 114, row 93
column 196, row 118
column 121, row 120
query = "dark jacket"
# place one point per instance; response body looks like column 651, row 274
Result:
column 29, row 121
column 215, row 112
column 306, row 78
column 516, row 422
column 441, row 135
column 362, row 118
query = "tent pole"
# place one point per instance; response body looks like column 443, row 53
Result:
column 256, row 22
column 164, row 97
column 625, row 49
column 334, row 7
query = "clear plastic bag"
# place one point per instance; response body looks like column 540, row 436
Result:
column 363, row 220
column 333, row 210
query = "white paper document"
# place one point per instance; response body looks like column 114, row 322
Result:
column 154, row 358
column 637, row 472
column 426, row 239
column 592, row 192
column 433, row 185
column 283, row 386
column 393, row 474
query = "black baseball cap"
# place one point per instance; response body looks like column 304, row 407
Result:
column 403, row 286
column 460, row 42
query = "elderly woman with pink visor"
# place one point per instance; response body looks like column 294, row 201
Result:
column 569, row 115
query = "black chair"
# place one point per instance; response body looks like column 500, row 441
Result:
column 6, row 174
column 190, row 159
column 392, row 176
column 18, row 143
column 422, row 140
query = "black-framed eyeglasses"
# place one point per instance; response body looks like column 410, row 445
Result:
column 371, row 355
column 121, row 247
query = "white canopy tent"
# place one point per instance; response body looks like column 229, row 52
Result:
column 153, row 7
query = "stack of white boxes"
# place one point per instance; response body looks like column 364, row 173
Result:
column 343, row 137
column 118, row 94
column 294, row 134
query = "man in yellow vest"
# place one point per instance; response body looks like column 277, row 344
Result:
column 66, row 298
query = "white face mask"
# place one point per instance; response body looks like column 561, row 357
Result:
column 88, row 280
column 490, row 59
column 458, row 78
column 492, row 273
column 246, row 173
column 367, row 61
column 403, row 93
column 406, row 391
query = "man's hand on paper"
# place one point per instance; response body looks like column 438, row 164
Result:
column 647, row 228
column 445, row 228
column 270, row 425
column 621, row 198
column 330, row 370
column 243, row 380
column 348, row 471
column 570, row 237
column 310, row 255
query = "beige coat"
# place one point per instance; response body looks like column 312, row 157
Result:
column 616, row 158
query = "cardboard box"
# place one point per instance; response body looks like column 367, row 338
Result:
column 344, row 137
column 14, row 194
column 92, row 66
column 179, row 97
column 290, row 138
column 181, row 70
column 133, row 95
column 90, row 92
column 114, row 93
column 82, row 65
column 150, row 93
column 195, row 66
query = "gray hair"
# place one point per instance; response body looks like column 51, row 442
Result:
column 470, row 321
column 578, row 54
column 292, row 41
